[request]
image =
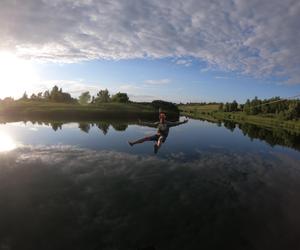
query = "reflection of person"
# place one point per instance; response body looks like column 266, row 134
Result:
column 162, row 131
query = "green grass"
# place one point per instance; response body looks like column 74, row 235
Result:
column 266, row 121
column 49, row 111
column 211, row 113
column 194, row 108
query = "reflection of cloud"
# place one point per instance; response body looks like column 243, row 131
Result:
column 74, row 157
column 64, row 194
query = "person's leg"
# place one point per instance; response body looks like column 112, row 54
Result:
column 148, row 138
column 159, row 141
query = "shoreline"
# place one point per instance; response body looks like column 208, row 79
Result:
column 213, row 115
column 73, row 112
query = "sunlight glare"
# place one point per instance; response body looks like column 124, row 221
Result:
column 6, row 142
column 16, row 74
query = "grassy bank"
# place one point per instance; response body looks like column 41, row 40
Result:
column 54, row 111
column 211, row 113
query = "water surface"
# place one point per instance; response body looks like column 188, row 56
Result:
column 81, row 186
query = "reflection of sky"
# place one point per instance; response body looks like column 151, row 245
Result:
column 65, row 194
column 188, row 138
column 207, row 180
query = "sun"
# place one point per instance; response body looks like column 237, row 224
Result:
column 16, row 74
column 6, row 142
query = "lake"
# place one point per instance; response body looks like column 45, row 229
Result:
column 80, row 185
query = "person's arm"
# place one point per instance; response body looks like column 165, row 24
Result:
column 149, row 124
column 173, row 124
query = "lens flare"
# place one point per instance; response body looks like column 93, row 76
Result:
column 15, row 74
column 6, row 142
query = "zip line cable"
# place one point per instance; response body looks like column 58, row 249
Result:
column 280, row 100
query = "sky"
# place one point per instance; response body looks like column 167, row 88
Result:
column 180, row 50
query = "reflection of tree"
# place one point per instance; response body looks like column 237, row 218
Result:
column 85, row 127
column 56, row 125
column 120, row 126
column 230, row 125
column 103, row 126
column 272, row 136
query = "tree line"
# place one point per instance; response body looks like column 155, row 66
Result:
column 57, row 95
column 286, row 109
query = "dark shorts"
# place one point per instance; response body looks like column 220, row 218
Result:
column 156, row 137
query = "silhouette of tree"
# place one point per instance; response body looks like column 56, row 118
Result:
column 84, row 98
column 85, row 127
column 120, row 97
column 119, row 126
column 102, row 96
column 104, row 127
column 56, row 125
column 24, row 97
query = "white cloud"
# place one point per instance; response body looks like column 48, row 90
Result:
column 185, row 62
column 158, row 81
column 258, row 37
column 129, row 87
column 221, row 77
column 143, row 98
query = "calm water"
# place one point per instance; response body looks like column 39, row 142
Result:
column 211, row 186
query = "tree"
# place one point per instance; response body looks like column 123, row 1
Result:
column 24, row 97
column 46, row 95
column 221, row 106
column 246, row 108
column 227, row 107
column 40, row 95
column 159, row 104
column 293, row 111
column 102, row 96
column 84, row 98
column 120, row 97
column 57, row 95
column 8, row 100
column 54, row 94
column 33, row 97
column 233, row 106
column 255, row 106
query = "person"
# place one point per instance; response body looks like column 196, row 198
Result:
column 162, row 133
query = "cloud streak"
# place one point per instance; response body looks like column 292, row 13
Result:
column 158, row 81
column 258, row 38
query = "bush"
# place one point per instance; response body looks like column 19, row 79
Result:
column 159, row 104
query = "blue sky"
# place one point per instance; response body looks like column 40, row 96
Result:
column 181, row 51
column 148, row 79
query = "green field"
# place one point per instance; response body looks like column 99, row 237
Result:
column 203, row 112
column 211, row 113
